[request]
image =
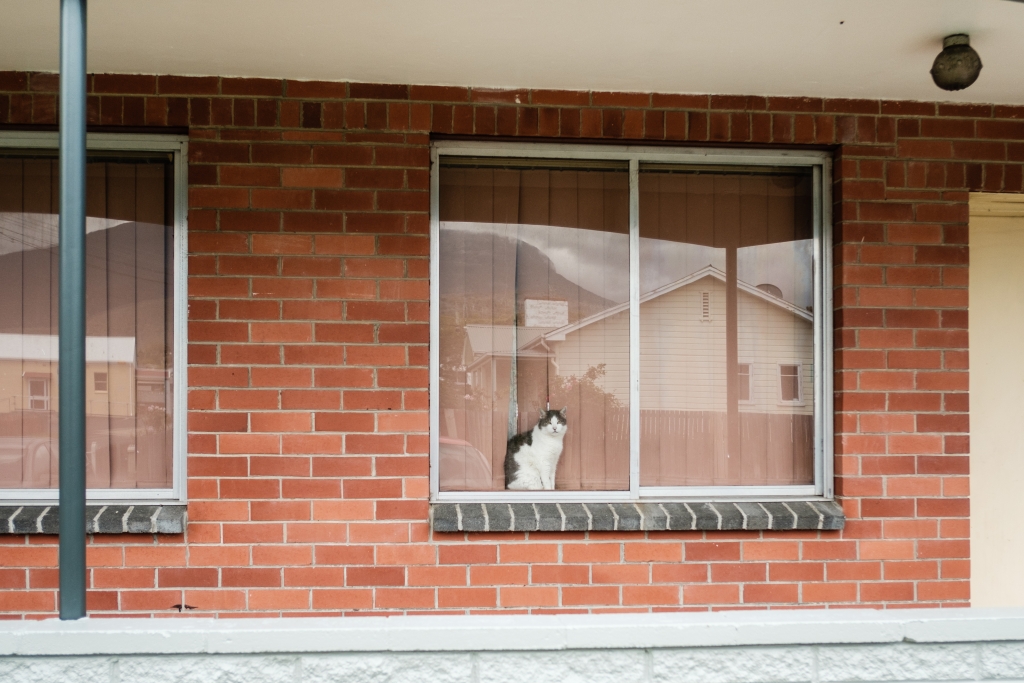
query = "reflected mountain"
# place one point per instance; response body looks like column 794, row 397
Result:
column 484, row 272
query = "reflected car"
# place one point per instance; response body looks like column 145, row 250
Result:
column 28, row 462
column 462, row 466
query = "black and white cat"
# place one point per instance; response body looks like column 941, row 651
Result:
column 532, row 457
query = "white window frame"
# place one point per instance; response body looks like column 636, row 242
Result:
column 819, row 162
column 44, row 397
column 177, row 146
column 799, row 400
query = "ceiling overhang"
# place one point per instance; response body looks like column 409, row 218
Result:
column 876, row 49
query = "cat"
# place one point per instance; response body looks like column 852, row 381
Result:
column 532, row 457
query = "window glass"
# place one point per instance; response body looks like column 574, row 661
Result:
column 534, row 293
column 789, row 376
column 129, row 321
column 38, row 394
column 726, row 272
column 744, row 384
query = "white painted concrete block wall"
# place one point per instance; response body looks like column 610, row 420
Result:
column 912, row 645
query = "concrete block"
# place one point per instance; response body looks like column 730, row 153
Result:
column 733, row 665
column 55, row 670
column 208, row 669
column 896, row 662
column 387, row 668
column 1002, row 660
column 595, row 666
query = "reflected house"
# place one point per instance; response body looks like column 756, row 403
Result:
column 128, row 324
column 29, row 397
column 690, row 347
column 682, row 378
column 487, row 357
column 488, row 353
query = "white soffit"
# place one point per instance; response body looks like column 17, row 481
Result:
column 878, row 49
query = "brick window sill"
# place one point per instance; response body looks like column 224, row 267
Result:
column 775, row 516
column 100, row 519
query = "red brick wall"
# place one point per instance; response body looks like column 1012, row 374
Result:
column 308, row 357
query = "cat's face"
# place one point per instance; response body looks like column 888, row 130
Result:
column 552, row 421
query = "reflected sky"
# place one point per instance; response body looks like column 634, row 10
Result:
column 787, row 265
column 26, row 231
column 593, row 260
column 582, row 257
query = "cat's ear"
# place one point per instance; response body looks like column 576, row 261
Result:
column 542, row 413
column 562, row 411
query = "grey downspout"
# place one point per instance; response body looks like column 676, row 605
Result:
column 72, row 309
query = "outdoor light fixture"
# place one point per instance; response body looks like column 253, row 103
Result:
column 958, row 65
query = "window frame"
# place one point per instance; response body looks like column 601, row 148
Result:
column 800, row 398
column 44, row 397
column 177, row 146
column 820, row 163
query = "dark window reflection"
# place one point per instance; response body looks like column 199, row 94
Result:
column 129, row 322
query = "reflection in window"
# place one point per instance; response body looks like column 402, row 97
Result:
column 534, row 310
column 789, row 379
column 129, row 316
column 734, row 251
column 744, row 384
column 38, row 394
column 534, row 289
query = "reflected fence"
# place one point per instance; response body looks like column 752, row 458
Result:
column 677, row 447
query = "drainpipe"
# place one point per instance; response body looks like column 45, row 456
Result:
column 72, row 309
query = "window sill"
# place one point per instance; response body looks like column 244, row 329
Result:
column 100, row 519
column 776, row 516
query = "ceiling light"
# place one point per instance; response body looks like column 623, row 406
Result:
column 958, row 65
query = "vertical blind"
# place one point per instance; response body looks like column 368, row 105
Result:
column 129, row 322
column 726, row 323
column 527, row 254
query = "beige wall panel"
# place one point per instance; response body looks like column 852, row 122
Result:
column 997, row 398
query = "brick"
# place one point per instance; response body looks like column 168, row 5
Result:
column 738, row 572
column 187, row 577
column 828, row 550
column 376, row 355
column 651, row 595
column 721, row 594
column 403, row 422
column 125, row 578
column 372, row 488
column 831, row 592
column 699, row 550
column 373, row 443
column 282, row 244
column 375, row 222
column 771, row 593
column 887, row 550
column 149, row 600
column 311, row 177
column 475, row 554
column 467, row 597
column 590, row 595
column 247, row 310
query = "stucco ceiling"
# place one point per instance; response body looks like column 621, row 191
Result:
column 841, row 48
